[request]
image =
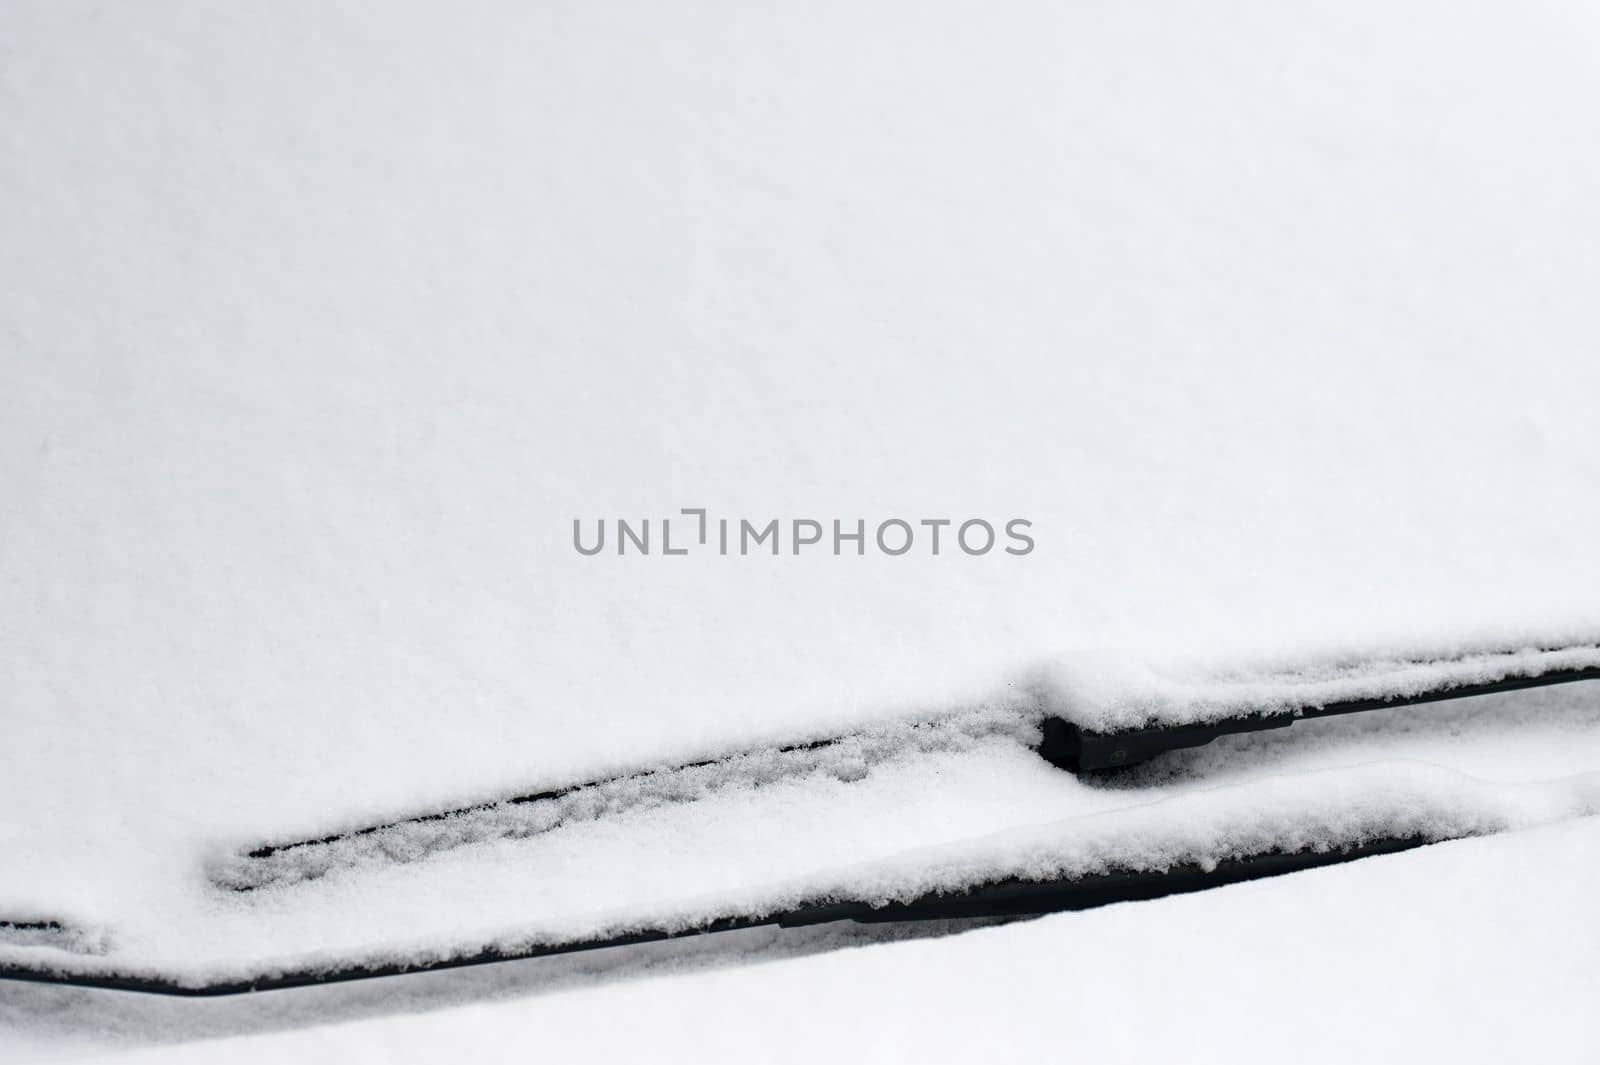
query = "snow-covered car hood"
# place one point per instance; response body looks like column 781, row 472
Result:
column 333, row 340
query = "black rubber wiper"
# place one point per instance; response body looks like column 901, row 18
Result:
column 1081, row 750
column 1062, row 743
column 1005, row 898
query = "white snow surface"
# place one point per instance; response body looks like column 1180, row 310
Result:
column 323, row 322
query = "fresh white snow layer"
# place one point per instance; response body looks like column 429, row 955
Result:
column 324, row 322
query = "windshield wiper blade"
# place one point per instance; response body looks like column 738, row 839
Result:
column 1083, row 750
column 1011, row 897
